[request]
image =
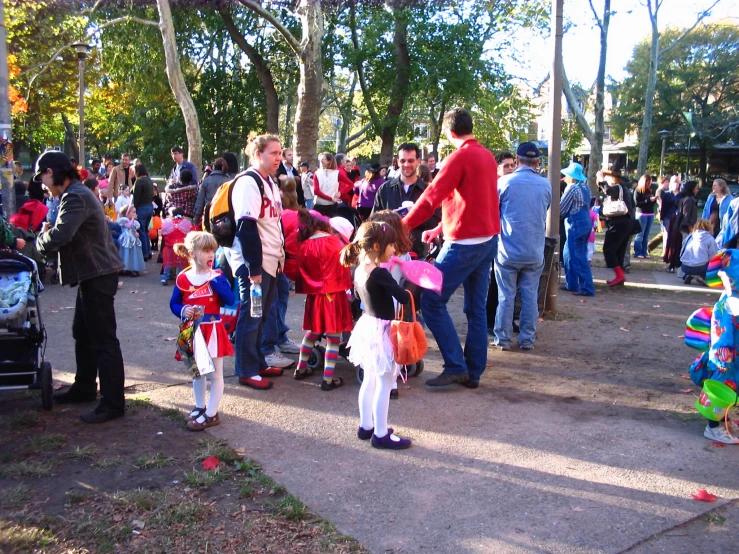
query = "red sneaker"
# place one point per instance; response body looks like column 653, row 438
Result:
column 271, row 372
column 262, row 384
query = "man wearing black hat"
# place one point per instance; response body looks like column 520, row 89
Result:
column 525, row 197
column 89, row 260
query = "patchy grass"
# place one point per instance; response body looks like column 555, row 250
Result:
column 218, row 448
column 82, row 453
column 24, row 420
column 714, row 518
column 146, row 501
column 134, row 402
column 15, row 537
column 182, row 512
column 102, row 465
column 148, row 461
column 15, row 496
column 204, row 479
column 30, row 468
column 172, row 413
column 46, row 442
column 291, row 508
column 75, row 497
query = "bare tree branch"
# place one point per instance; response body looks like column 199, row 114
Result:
column 595, row 15
column 359, row 133
column 701, row 17
column 574, row 108
column 260, row 10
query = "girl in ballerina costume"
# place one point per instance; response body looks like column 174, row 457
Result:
column 197, row 298
column 719, row 361
column 174, row 230
column 129, row 241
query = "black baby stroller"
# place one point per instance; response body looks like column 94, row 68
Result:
column 22, row 334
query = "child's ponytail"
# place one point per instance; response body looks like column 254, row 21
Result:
column 350, row 255
column 181, row 250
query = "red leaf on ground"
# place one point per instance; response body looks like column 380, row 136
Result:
column 134, row 292
column 211, row 462
column 686, row 391
column 704, row 496
column 681, row 336
column 718, row 444
column 140, row 316
column 583, row 301
column 620, row 305
column 686, row 377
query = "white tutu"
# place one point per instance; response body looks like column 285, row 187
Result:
column 371, row 347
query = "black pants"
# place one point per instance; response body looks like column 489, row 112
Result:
column 96, row 347
column 616, row 241
column 329, row 210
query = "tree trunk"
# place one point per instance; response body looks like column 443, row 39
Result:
column 263, row 72
column 436, row 126
column 310, row 89
column 288, row 116
column 596, row 146
column 179, row 88
column 400, row 85
column 703, row 162
column 646, row 127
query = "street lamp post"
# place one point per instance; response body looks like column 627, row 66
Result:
column 82, row 50
column 664, row 133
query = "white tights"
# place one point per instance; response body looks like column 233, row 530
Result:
column 374, row 400
column 199, row 386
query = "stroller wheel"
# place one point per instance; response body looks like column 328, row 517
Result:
column 360, row 374
column 419, row 368
column 47, row 390
column 317, row 355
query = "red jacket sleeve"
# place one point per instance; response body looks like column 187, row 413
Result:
column 346, row 186
column 317, row 189
column 443, row 185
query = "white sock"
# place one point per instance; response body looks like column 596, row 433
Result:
column 366, row 394
column 395, row 384
column 381, row 402
column 199, row 385
column 256, row 377
column 216, row 388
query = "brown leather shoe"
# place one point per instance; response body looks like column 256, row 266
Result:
column 203, row 422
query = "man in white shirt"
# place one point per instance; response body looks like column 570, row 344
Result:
column 257, row 255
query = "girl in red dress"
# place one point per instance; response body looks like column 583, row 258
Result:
column 325, row 281
column 174, row 230
column 199, row 294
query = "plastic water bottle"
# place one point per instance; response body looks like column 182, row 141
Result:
column 256, row 300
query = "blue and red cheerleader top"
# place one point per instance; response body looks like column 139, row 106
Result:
column 211, row 294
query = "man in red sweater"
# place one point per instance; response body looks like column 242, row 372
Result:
column 466, row 188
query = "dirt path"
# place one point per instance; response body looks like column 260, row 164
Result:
column 586, row 444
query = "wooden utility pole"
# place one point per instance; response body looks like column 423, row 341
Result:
column 6, row 173
column 555, row 148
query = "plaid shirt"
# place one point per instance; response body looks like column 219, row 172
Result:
column 572, row 200
column 184, row 199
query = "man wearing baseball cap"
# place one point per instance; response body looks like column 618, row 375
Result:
column 525, row 197
column 89, row 260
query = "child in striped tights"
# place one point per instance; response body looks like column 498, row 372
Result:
column 322, row 277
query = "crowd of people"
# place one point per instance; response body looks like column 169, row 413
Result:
column 333, row 233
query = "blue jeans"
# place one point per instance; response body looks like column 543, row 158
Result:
column 275, row 328
column 309, row 203
column 144, row 214
column 469, row 266
column 642, row 239
column 578, row 276
column 249, row 358
column 527, row 276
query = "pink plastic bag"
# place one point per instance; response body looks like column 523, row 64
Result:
column 421, row 273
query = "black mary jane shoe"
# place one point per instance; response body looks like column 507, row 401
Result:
column 334, row 383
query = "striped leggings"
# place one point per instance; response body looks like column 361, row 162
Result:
column 332, row 352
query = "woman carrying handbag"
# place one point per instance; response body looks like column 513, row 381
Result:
column 617, row 211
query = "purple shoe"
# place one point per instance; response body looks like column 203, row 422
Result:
column 389, row 443
column 365, row 435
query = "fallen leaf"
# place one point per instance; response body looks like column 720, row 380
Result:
column 620, row 305
column 656, row 306
column 211, row 462
column 117, row 518
column 140, row 316
column 718, row 444
column 666, row 336
column 577, row 509
column 488, row 365
column 278, row 471
column 239, row 450
column 681, row 336
column 583, row 301
column 704, row 496
column 686, row 377
column 133, row 291
column 686, row 391
column 601, row 300
column 170, row 339
column 54, row 311
column 138, row 524
column 624, row 329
